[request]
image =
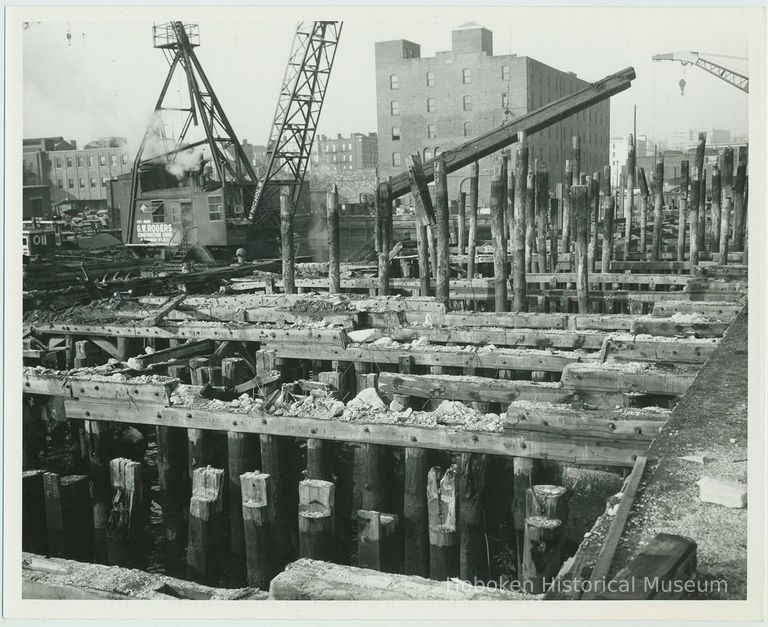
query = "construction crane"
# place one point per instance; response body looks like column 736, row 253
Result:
column 298, row 110
column 694, row 58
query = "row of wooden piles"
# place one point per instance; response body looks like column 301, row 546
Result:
column 580, row 221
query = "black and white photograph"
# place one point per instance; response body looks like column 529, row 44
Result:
column 418, row 308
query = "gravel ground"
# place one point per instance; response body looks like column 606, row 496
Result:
column 710, row 420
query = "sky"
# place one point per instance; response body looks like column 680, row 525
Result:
column 106, row 79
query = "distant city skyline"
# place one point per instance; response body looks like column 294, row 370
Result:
column 105, row 79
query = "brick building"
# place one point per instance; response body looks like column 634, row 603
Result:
column 78, row 178
column 430, row 104
column 359, row 151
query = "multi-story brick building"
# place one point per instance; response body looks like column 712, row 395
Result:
column 430, row 104
column 359, row 151
column 77, row 177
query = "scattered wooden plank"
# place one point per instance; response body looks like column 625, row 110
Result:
column 182, row 351
column 154, row 319
column 611, row 540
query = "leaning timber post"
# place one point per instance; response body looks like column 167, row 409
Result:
column 630, row 205
column 317, row 520
column 700, row 198
column 126, row 520
column 415, row 520
column 609, row 206
column 725, row 216
column 510, row 212
column 422, row 246
column 68, row 516
column 242, row 456
column 443, row 233
column 739, row 206
column 383, row 211
column 474, row 175
column 498, row 237
column 172, row 470
column 642, row 217
column 257, row 491
column 567, row 225
column 576, row 159
column 593, row 204
column 530, row 214
column 553, row 234
column 541, row 552
column 276, row 462
column 334, row 255
column 33, row 530
column 714, row 238
column 522, row 479
column 682, row 212
column 580, row 214
column 472, row 549
column 286, row 238
column 519, row 299
column 98, row 436
column 443, row 537
column 693, row 214
column 658, row 204
column 432, row 240
column 542, row 208
column 205, row 518
column 702, row 209
column 461, row 237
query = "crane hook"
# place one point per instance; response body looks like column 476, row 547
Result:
column 682, row 86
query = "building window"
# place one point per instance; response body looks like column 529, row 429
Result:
column 466, row 76
column 71, row 183
column 102, row 160
column 113, row 159
column 82, row 183
column 125, row 159
column 158, row 210
column 431, row 131
column 504, row 101
column 395, row 133
column 467, row 129
column 58, row 162
column 60, row 183
column 505, row 72
column 69, row 162
column 396, row 159
column 394, row 107
column 175, row 211
column 394, row 81
column 215, row 209
column 80, row 162
column 427, row 154
column 430, row 79
column 467, row 103
column 430, row 105
column 437, row 152
column 104, row 180
column 93, row 183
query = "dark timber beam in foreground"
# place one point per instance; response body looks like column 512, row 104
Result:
column 499, row 138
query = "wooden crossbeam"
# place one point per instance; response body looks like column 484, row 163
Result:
column 629, row 377
column 571, row 449
column 153, row 319
column 466, row 388
column 182, row 351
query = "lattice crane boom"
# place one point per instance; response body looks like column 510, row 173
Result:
column 302, row 94
column 731, row 77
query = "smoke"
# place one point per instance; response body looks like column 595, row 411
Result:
column 158, row 143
